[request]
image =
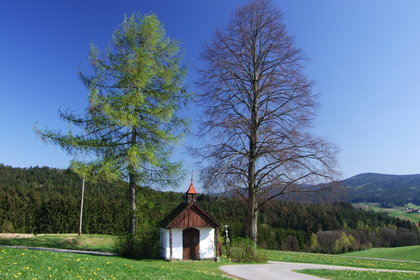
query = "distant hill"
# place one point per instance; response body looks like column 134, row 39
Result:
column 388, row 190
column 383, row 188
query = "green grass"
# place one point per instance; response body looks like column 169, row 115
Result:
column 90, row 242
column 360, row 275
column 285, row 256
column 28, row 264
column 412, row 205
column 409, row 253
column 33, row 264
column 414, row 217
column 397, row 212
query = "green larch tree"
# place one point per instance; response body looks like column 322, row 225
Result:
column 131, row 123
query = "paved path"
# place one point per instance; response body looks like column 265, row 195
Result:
column 379, row 259
column 96, row 253
column 283, row 270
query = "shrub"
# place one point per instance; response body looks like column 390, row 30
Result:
column 7, row 227
column 142, row 245
column 243, row 250
column 291, row 243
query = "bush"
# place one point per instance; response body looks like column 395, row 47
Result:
column 243, row 250
column 7, row 227
column 142, row 245
column 291, row 243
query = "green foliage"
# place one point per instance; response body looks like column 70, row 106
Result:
column 243, row 250
column 46, row 200
column 131, row 123
column 313, row 243
column 135, row 93
column 31, row 264
column 142, row 245
column 344, row 243
column 7, row 226
column 360, row 275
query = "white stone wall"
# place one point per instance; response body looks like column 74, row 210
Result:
column 207, row 250
column 177, row 250
column 164, row 243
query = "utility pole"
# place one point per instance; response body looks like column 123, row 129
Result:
column 81, row 206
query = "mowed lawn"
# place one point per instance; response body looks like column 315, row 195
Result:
column 403, row 253
column 30, row 264
column 34, row 264
column 409, row 253
column 340, row 260
column 90, row 242
column 360, row 275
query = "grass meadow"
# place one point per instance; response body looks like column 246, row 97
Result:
column 408, row 253
column 360, row 275
column 340, row 260
column 37, row 265
column 396, row 212
column 90, row 242
column 33, row 264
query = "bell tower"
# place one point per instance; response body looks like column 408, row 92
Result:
column 191, row 195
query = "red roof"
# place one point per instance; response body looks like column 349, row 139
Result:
column 191, row 189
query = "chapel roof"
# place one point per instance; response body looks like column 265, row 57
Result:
column 189, row 214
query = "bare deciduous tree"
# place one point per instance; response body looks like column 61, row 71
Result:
column 258, row 108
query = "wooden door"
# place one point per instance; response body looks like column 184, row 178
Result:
column 191, row 244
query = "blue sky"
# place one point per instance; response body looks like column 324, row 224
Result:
column 364, row 58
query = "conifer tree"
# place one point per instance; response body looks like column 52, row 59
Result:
column 131, row 122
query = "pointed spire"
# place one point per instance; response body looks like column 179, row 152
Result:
column 191, row 189
column 191, row 192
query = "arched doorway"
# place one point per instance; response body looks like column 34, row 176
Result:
column 191, row 244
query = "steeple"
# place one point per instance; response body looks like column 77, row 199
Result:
column 191, row 192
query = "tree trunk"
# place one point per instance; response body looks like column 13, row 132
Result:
column 81, row 206
column 252, row 213
column 252, row 220
column 132, row 183
column 132, row 226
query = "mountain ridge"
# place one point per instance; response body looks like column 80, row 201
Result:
column 387, row 189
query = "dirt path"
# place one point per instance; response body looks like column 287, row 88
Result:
column 15, row 235
column 284, row 270
column 96, row 253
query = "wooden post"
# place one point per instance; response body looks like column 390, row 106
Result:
column 81, row 206
column 170, row 243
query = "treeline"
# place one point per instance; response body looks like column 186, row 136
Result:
column 46, row 200
column 316, row 227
